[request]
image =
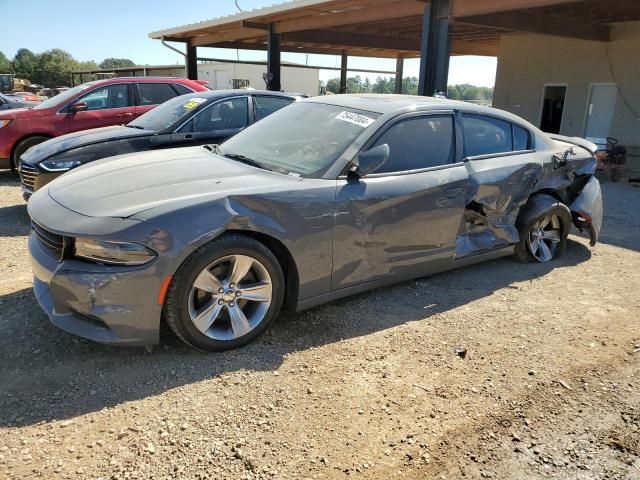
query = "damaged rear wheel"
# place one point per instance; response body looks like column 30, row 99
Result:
column 543, row 226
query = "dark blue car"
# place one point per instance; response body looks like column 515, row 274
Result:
column 189, row 120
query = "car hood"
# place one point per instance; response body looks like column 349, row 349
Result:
column 16, row 113
column 128, row 184
column 69, row 141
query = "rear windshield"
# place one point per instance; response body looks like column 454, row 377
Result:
column 304, row 138
column 171, row 112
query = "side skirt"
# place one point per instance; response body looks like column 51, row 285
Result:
column 391, row 280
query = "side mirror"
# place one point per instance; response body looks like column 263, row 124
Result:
column 78, row 107
column 370, row 161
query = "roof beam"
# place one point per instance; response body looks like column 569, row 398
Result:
column 463, row 8
column 542, row 24
column 345, row 39
column 372, row 13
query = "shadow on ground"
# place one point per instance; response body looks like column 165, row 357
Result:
column 8, row 179
column 46, row 374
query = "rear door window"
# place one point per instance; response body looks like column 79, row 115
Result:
column 181, row 89
column 484, row 135
column 267, row 105
column 155, row 93
column 110, row 96
column 418, row 142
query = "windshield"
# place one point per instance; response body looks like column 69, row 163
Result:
column 170, row 112
column 303, row 138
column 64, row 96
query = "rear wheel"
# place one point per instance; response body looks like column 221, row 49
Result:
column 226, row 294
column 22, row 147
column 543, row 234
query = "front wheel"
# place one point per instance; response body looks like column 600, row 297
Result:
column 22, row 147
column 543, row 235
column 226, row 294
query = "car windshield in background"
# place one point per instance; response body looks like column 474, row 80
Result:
column 63, row 97
column 167, row 114
column 303, row 138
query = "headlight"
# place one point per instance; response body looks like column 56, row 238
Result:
column 4, row 123
column 63, row 164
column 112, row 253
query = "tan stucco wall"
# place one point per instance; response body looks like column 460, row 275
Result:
column 527, row 62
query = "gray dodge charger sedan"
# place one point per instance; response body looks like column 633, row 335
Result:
column 325, row 198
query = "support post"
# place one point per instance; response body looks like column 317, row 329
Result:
column 343, row 72
column 399, row 73
column 273, row 60
column 435, row 48
column 192, row 62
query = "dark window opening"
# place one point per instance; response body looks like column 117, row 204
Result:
column 552, row 109
column 418, row 142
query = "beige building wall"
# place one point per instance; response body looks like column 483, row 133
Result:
column 527, row 62
column 298, row 80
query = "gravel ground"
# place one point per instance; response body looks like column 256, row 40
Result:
column 368, row 387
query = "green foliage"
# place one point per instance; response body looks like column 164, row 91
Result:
column 25, row 63
column 409, row 87
column 54, row 68
column 116, row 63
column 88, row 65
column 51, row 68
column 5, row 64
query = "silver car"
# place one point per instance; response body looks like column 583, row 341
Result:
column 325, row 198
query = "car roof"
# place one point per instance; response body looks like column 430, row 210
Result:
column 390, row 103
column 240, row 91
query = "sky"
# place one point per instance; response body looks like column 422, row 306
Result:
column 120, row 28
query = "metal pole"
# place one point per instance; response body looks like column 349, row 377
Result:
column 192, row 62
column 399, row 69
column 343, row 72
column 435, row 48
column 273, row 60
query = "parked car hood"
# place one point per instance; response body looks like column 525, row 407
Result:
column 128, row 184
column 69, row 141
column 16, row 113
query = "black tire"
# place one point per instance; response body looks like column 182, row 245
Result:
column 537, row 208
column 176, row 309
column 22, row 147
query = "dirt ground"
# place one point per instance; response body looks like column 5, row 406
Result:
column 368, row 387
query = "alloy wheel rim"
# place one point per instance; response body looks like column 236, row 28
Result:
column 544, row 237
column 230, row 297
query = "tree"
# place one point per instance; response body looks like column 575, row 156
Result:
column 54, row 68
column 5, row 64
column 25, row 63
column 88, row 65
column 116, row 63
column 333, row 85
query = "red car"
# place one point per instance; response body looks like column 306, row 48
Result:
column 91, row 105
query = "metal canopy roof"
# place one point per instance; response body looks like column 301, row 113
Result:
column 392, row 28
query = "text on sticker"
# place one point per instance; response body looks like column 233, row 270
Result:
column 194, row 102
column 355, row 118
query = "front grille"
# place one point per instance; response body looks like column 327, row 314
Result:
column 28, row 176
column 53, row 243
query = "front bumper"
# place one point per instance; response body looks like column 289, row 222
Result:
column 32, row 179
column 113, row 305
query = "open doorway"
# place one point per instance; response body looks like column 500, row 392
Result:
column 552, row 108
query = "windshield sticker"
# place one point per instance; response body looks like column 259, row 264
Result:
column 355, row 118
column 194, row 102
